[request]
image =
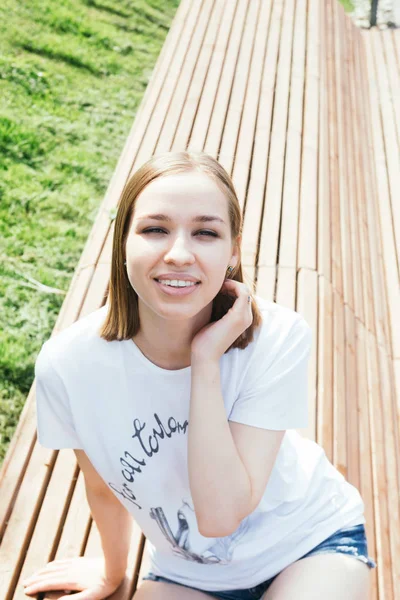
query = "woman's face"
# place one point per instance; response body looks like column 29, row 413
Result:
column 180, row 230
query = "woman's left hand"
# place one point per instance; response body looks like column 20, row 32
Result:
column 212, row 341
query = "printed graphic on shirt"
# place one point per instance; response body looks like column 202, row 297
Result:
column 183, row 539
column 132, row 465
column 220, row 549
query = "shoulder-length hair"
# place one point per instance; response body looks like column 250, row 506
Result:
column 122, row 319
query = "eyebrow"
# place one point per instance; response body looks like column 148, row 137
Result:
column 197, row 219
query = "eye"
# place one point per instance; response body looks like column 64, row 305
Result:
column 152, row 229
column 212, row 233
column 202, row 232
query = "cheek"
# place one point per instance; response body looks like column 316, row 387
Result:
column 139, row 252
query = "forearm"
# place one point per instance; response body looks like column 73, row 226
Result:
column 115, row 527
column 219, row 483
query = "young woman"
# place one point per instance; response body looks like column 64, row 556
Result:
column 180, row 398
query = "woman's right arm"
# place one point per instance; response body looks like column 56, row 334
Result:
column 113, row 521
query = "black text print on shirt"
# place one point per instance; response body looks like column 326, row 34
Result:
column 131, row 464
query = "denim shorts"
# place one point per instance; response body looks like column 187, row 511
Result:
column 349, row 540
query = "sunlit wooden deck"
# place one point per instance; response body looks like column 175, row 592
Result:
column 303, row 110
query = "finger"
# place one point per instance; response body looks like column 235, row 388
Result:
column 235, row 288
column 54, row 569
column 236, row 285
column 92, row 594
column 46, row 585
column 242, row 292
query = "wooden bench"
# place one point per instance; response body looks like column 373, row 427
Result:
column 288, row 97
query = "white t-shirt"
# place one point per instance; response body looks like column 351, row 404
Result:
column 131, row 418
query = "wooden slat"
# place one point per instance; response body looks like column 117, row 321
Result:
column 351, row 395
column 288, row 235
column 354, row 173
column 146, row 563
column 56, row 504
column 232, row 16
column 333, row 152
column 389, row 251
column 339, row 390
column 253, row 215
column 380, row 482
column 324, row 258
column 367, row 490
column 209, row 49
column 307, row 305
column 243, row 156
column 286, row 287
column 357, row 141
column 381, row 317
column 392, row 58
column 230, row 133
column 221, row 101
column 365, row 261
column 155, row 123
column 192, row 71
column 266, row 280
column 23, row 518
column 241, row 167
column 276, row 164
column 344, row 156
column 289, row 189
column 368, row 209
column 390, row 420
column 325, row 367
column 396, row 369
column 307, row 256
column 392, row 148
column 93, row 549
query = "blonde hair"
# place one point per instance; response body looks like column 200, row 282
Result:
column 122, row 320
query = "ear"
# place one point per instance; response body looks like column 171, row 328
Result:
column 236, row 252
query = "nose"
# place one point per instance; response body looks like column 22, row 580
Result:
column 179, row 252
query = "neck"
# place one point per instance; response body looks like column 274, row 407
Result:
column 166, row 342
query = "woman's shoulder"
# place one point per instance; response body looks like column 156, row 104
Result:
column 282, row 332
column 76, row 339
column 279, row 323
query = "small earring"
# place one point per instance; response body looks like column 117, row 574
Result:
column 125, row 263
column 230, row 269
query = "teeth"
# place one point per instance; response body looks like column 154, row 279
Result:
column 176, row 282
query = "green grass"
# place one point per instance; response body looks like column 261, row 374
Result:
column 72, row 74
column 347, row 4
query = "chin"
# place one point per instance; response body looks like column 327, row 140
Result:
column 180, row 311
column 177, row 313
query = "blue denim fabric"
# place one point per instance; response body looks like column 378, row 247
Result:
column 350, row 540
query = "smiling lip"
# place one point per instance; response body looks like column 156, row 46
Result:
column 176, row 291
column 179, row 276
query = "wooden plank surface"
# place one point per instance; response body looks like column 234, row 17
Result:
column 324, row 344
column 270, row 228
column 389, row 245
column 324, row 240
column 278, row 93
column 345, row 159
column 384, row 559
column 307, row 252
column 261, row 151
column 336, row 268
column 307, row 305
column 366, row 446
column 288, row 235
